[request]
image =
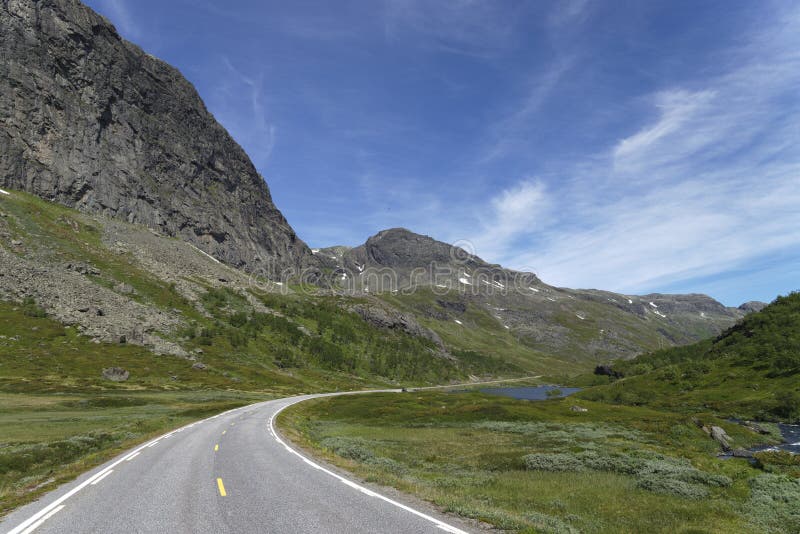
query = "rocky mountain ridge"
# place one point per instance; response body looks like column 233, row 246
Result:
column 89, row 120
column 441, row 282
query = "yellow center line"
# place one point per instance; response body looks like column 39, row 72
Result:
column 216, row 447
column 221, row 487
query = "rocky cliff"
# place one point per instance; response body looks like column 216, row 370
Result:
column 91, row 121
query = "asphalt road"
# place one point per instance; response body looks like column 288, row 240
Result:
column 229, row 473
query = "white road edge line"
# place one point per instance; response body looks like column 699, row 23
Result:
column 441, row 524
column 47, row 516
column 39, row 517
column 98, row 479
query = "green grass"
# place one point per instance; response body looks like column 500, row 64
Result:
column 540, row 467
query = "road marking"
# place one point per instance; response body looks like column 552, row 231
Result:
column 440, row 524
column 223, row 432
column 221, row 488
column 47, row 516
column 216, row 447
column 98, row 479
column 38, row 518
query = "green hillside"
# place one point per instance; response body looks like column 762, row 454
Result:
column 751, row 371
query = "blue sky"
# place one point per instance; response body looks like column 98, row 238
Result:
column 623, row 145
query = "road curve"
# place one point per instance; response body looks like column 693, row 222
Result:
column 228, row 473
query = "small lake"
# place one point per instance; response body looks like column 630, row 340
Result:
column 534, row 393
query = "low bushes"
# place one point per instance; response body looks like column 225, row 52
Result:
column 355, row 449
column 775, row 502
column 653, row 472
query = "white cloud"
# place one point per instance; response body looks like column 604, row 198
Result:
column 514, row 213
column 710, row 184
column 676, row 107
column 239, row 104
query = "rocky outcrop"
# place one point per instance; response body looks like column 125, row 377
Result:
column 385, row 317
column 116, row 374
column 89, row 120
column 719, row 435
column 753, row 306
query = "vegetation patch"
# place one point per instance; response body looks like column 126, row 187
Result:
column 750, row 371
column 653, row 472
column 537, row 466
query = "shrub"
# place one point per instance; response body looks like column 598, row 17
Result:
column 784, row 458
column 286, row 359
column 775, row 503
column 31, row 309
column 670, row 486
column 653, row 472
column 553, row 462
column 348, row 448
column 788, row 406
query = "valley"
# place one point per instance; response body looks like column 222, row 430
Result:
column 150, row 289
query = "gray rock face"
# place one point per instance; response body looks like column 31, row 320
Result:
column 383, row 317
column 753, row 306
column 399, row 248
column 89, row 120
column 719, row 435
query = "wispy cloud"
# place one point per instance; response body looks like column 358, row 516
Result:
column 676, row 108
column 711, row 182
column 509, row 131
column 569, row 12
column 239, row 104
column 479, row 28
column 515, row 213
column 122, row 18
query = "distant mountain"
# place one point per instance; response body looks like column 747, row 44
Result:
column 442, row 285
column 751, row 370
column 752, row 306
column 89, row 120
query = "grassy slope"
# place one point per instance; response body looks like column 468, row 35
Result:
column 466, row 453
column 751, row 371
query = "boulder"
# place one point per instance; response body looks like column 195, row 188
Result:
column 116, row 374
column 719, row 435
